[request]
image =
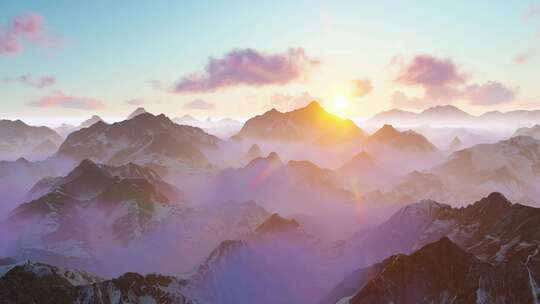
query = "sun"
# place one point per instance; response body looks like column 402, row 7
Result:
column 341, row 101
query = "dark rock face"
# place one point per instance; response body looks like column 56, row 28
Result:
column 135, row 288
column 30, row 283
column 309, row 124
column 442, row 272
column 491, row 255
column 41, row 283
column 276, row 223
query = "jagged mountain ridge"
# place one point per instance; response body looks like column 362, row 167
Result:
column 145, row 139
column 17, row 139
column 30, row 282
column 440, row 272
column 493, row 230
column 310, row 124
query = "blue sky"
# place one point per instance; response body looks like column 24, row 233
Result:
column 109, row 50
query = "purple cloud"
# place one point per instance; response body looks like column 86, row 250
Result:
column 36, row 82
column 490, row 93
column 442, row 83
column 532, row 11
column 199, row 104
column 248, row 67
column 28, row 27
column 429, row 71
column 61, row 100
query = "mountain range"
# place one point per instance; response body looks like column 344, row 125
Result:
column 296, row 207
column 451, row 116
column 18, row 139
column 145, row 139
column 222, row 128
column 427, row 252
column 495, row 238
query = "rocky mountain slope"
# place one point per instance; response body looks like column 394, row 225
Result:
column 310, row 124
column 18, row 139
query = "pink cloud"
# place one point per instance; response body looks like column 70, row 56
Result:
column 490, row 93
column 36, row 82
column 248, row 67
column 199, row 104
column 61, row 100
column 361, row 87
column 28, row 26
column 523, row 58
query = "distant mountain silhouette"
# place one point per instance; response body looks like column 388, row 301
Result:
column 17, row 139
column 449, row 115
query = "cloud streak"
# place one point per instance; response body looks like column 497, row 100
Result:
column 26, row 27
column 29, row 80
column 248, row 67
column 291, row 101
column 61, row 100
column 135, row 102
column 199, row 104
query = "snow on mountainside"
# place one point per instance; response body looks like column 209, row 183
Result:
column 31, row 282
column 311, row 124
column 18, row 139
column 65, row 129
column 97, row 209
column 493, row 230
column 137, row 112
column 510, row 166
column 440, row 272
column 145, row 139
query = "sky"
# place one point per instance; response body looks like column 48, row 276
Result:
column 63, row 61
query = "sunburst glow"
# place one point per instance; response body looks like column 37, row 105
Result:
column 341, row 101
